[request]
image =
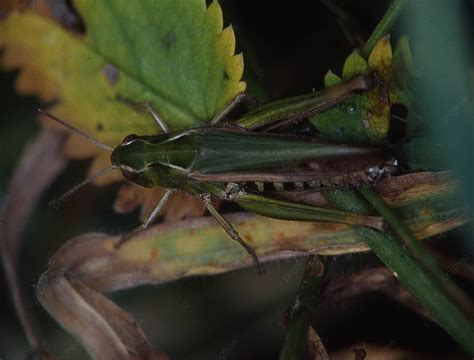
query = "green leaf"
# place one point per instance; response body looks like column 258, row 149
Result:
column 172, row 53
column 175, row 53
column 354, row 65
column 331, row 79
column 366, row 117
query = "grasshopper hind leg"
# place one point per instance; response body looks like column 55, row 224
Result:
column 156, row 211
column 227, row 226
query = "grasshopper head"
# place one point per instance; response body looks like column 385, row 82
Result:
column 155, row 160
column 129, row 158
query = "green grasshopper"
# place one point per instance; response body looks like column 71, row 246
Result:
column 236, row 164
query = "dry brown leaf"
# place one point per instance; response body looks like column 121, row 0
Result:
column 106, row 331
column 129, row 197
column 162, row 253
column 22, row 197
column 315, row 347
column 340, row 290
column 199, row 246
column 40, row 6
column 58, row 10
column 180, row 205
column 70, row 291
column 390, row 351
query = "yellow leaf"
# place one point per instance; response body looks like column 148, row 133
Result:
column 380, row 59
column 187, row 69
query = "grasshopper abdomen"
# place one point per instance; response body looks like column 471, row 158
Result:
column 356, row 179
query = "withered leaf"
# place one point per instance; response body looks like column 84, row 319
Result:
column 23, row 194
column 167, row 251
column 180, row 205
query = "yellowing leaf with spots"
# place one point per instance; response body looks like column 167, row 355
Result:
column 366, row 117
column 174, row 54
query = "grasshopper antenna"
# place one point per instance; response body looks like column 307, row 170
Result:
column 66, row 195
column 77, row 131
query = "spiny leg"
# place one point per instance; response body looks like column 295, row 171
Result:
column 156, row 211
column 227, row 226
column 158, row 208
column 157, row 117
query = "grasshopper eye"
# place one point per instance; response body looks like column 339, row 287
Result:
column 129, row 139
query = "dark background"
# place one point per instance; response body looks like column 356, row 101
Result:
column 288, row 48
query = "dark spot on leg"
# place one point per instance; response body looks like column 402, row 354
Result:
column 100, row 127
column 169, row 40
column 111, row 73
column 225, row 75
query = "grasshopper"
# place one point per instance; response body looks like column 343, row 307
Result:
column 244, row 166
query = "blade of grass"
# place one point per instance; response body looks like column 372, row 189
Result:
column 423, row 284
column 384, row 25
column 416, row 269
column 418, row 250
column 302, row 311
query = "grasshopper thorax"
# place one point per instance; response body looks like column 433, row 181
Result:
column 153, row 160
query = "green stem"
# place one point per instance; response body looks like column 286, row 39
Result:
column 418, row 250
column 415, row 268
column 301, row 314
column 426, row 285
column 384, row 25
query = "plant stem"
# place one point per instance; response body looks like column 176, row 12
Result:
column 425, row 285
column 384, row 25
column 415, row 268
column 418, row 250
column 302, row 311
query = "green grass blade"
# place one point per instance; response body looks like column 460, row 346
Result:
column 384, row 25
column 302, row 311
column 425, row 285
